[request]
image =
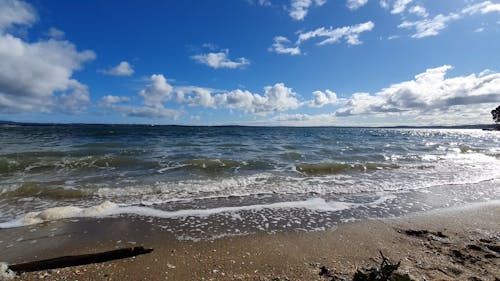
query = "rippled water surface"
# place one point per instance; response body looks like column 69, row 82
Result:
column 167, row 172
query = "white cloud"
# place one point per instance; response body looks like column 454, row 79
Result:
column 384, row 4
column 157, row 92
column 220, row 60
column 350, row 34
column 109, row 100
column 149, row 112
column 419, row 11
column 275, row 98
column 305, row 119
column 479, row 29
column 260, row 2
column 55, row 33
column 14, row 12
column 195, row 96
column 37, row 76
column 154, row 96
column 280, row 48
column 73, row 102
column 432, row 27
column 333, row 35
column 482, row 8
column 429, row 27
column 400, row 6
column 430, row 92
column 122, row 69
column 321, row 99
column 356, row 4
column 300, row 8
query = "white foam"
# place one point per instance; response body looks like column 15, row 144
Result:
column 382, row 199
column 58, row 213
column 5, row 273
column 111, row 209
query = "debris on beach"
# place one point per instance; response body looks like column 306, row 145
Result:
column 386, row 272
column 76, row 260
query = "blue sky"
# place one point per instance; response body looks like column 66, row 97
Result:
column 250, row 62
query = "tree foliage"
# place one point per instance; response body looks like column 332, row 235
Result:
column 495, row 113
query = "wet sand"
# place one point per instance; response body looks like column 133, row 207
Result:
column 449, row 244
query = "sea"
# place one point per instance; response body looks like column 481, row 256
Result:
column 209, row 182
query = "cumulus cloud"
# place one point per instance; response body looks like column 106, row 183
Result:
column 430, row 91
column 158, row 93
column 14, row 12
column 75, row 101
column 195, row 96
column 280, row 46
column 333, row 35
column 356, row 4
column 122, row 69
column 321, row 99
column 148, row 112
column 419, row 11
column 400, row 6
column 154, row 96
column 275, row 98
column 305, row 119
column 220, row 60
column 37, row 76
column 433, row 26
column 110, row 100
column 300, row 8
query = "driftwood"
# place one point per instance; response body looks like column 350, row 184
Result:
column 68, row 261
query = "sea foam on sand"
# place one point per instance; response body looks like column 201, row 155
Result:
column 5, row 273
column 109, row 209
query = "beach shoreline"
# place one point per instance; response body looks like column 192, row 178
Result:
column 467, row 248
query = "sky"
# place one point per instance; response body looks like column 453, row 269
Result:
column 250, row 62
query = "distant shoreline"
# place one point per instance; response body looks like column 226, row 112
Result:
column 488, row 127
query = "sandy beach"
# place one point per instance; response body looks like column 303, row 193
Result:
column 447, row 244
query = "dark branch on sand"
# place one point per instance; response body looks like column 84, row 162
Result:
column 68, row 261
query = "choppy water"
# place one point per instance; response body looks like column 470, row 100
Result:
column 254, row 175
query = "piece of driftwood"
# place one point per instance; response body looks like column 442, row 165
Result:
column 68, row 261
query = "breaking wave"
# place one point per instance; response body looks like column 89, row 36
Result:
column 319, row 169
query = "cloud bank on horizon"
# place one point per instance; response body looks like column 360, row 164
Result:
column 44, row 76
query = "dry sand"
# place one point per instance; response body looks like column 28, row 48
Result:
column 452, row 244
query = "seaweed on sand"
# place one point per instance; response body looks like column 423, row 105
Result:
column 385, row 272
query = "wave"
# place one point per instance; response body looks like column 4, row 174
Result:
column 32, row 165
column 319, row 169
column 214, row 166
column 292, row 156
column 31, row 189
column 186, row 144
column 100, row 145
column 34, row 154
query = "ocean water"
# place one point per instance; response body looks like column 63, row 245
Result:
column 209, row 181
